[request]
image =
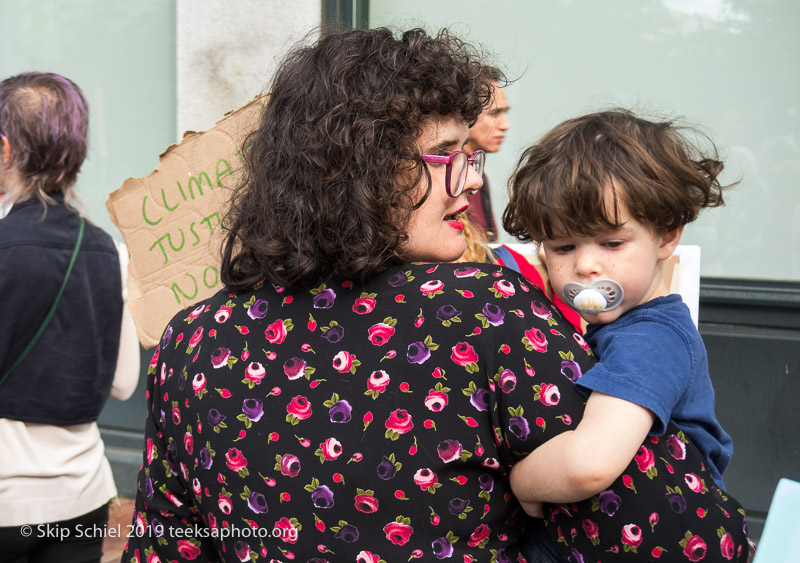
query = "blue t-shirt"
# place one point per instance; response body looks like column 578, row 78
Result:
column 654, row 357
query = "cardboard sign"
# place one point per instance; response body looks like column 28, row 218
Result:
column 170, row 221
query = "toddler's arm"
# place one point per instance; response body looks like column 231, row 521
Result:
column 583, row 462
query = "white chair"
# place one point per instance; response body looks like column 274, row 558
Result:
column 780, row 540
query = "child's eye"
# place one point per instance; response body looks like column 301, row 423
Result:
column 564, row 248
column 613, row 244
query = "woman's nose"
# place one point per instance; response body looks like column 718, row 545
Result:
column 474, row 181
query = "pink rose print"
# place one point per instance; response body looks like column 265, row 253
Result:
column 726, row 546
column 364, row 304
column 503, row 288
column 343, row 361
column 195, row 313
column 431, row 288
column 399, row 422
column 541, row 310
column 154, row 362
column 254, row 372
column 188, row 550
column 223, row 314
column 199, row 385
column 377, row 382
column 581, row 342
column 285, row 529
column 225, row 504
column 151, row 451
column 220, row 357
column 535, row 340
column 235, row 460
column 694, row 482
column 426, row 479
column 289, row 465
column 195, row 339
column 646, row 461
column 547, row 394
column 276, row 332
column 398, row 533
column 631, row 536
column 294, row 368
column 367, row 557
column 366, row 503
column 436, row 400
column 331, row 449
column 379, row 334
column 592, row 531
column 298, row 409
column 694, row 548
column 464, row 355
column 479, row 536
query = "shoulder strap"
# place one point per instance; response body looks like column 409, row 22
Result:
column 53, row 307
column 508, row 259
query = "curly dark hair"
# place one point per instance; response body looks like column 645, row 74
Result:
column 333, row 165
column 657, row 168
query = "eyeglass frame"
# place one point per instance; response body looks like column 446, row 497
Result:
column 448, row 160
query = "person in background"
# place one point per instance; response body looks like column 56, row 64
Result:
column 608, row 195
column 487, row 135
column 57, row 365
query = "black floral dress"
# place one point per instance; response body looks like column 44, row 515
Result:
column 378, row 422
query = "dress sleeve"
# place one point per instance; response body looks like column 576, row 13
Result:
column 646, row 363
column 165, row 520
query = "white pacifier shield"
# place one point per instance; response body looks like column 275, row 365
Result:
column 597, row 297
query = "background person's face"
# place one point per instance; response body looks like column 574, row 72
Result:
column 489, row 131
column 435, row 234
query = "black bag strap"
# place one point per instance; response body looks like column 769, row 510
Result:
column 53, row 308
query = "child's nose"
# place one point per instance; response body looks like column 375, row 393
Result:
column 587, row 263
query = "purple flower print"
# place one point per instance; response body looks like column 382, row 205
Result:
column 340, row 412
column 324, row 299
column 148, row 487
column 156, row 528
column 322, row 497
column 418, row 353
column 219, row 357
column 609, row 502
column 387, row 469
column 242, row 550
column 447, row 312
column 215, row 418
column 480, row 399
column 494, row 314
column 442, row 548
column 571, row 370
column 508, row 381
column 334, row 334
column 166, row 338
column 502, row 556
column 519, row 427
column 575, row 557
column 676, row 502
column 457, row 506
column 205, row 459
column 181, row 381
column 449, row 450
column 676, row 447
column 253, row 409
column 257, row 503
column 258, row 310
column 486, row 482
column 172, row 457
column 294, row 368
column 347, row 534
column 398, row 279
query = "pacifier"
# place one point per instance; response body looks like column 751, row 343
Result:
column 597, row 297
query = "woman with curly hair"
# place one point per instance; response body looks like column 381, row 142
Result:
column 352, row 394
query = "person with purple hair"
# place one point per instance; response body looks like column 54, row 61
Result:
column 65, row 340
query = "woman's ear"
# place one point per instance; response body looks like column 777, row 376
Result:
column 669, row 241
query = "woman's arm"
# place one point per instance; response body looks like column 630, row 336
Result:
column 126, row 375
column 583, row 462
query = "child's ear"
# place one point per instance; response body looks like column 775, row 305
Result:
column 669, row 241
